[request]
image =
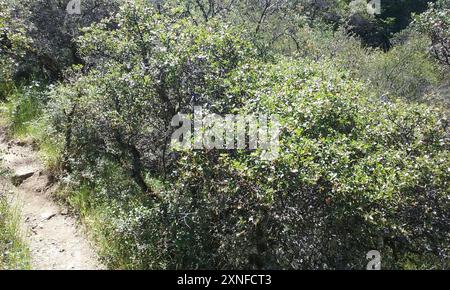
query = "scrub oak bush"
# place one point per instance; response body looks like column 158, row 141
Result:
column 355, row 172
column 52, row 32
column 13, row 44
column 137, row 77
column 435, row 23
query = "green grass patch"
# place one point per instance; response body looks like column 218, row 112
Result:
column 22, row 109
column 14, row 254
column 24, row 116
column 119, row 217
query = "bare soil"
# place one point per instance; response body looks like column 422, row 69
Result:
column 56, row 240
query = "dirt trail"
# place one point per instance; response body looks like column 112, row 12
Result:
column 55, row 239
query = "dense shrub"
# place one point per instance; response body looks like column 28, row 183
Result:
column 52, row 32
column 355, row 173
column 362, row 165
column 140, row 75
column 13, row 45
column 405, row 71
column 435, row 23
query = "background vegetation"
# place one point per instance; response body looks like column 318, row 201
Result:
column 362, row 100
